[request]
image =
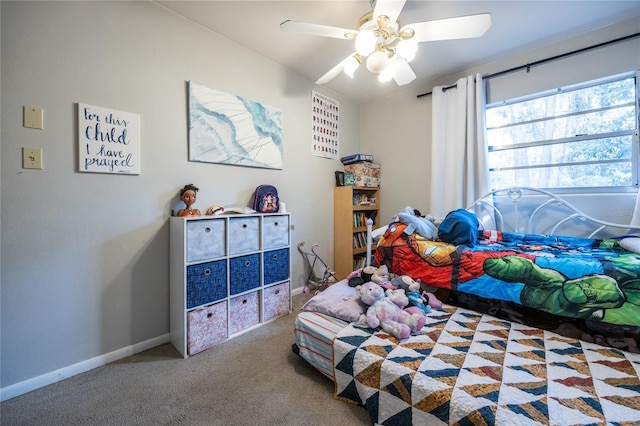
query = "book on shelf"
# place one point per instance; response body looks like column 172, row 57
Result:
column 359, row 262
column 363, row 199
column 360, row 240
column 360, row 218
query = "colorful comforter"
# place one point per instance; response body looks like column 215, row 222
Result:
column 474, row 369
column 575, row 277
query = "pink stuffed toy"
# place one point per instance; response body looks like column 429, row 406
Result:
column 382, row 312
column 400, row 298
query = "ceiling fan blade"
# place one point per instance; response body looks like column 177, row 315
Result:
column 318, row 30
column 333, row 72
column 389, row 8
column 404, row 73
column 451, row 28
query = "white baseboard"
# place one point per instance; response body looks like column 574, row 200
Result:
column 297, row 291
column 26, row 386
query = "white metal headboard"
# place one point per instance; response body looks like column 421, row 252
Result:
column 541, row 206
column 565, row 218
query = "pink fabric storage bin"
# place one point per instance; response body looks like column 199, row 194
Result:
column 276, row 301
column 206, row 327
column 244, row 312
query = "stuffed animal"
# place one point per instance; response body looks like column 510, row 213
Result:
column 378, row 275
column 382, row 312
column 412, row 291
column 406, row 283
column 428, row 292
column 399, row 297
column 424, row 226
column 432, row 300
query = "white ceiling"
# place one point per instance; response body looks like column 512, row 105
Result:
column 517, row 25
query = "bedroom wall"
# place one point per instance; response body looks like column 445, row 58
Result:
column 404, row 150
column 84, row 277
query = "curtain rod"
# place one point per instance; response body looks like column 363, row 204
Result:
column 542, row 61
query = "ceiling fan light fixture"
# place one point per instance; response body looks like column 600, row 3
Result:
column 351, row 65
column 383, row 21
column 377, row 61
column 406, row 33
column 387, row 74
column 387, row 45
column 366, row 42
column 407, row 49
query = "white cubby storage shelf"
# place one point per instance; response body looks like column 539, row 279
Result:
column 228, row 274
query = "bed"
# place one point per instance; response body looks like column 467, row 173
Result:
column 595, row 277
column 469, row 367
column 466, row 367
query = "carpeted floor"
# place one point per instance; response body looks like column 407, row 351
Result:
column 253, row 379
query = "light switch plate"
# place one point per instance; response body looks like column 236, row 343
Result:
column 32, row 158
column 33, row 117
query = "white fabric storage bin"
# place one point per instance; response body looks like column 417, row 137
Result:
column 205, row 239
column 244, row 234
column 275, row 232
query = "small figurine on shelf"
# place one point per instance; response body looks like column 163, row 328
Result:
column 188, row 197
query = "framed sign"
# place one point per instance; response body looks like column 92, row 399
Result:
column 108, row 140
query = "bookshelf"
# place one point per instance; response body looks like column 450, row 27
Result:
column 352, row 206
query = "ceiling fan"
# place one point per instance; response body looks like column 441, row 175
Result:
column 388, row 47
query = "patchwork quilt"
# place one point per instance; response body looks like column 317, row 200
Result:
column 466, row 368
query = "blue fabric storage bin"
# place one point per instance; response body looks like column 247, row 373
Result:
column 206, row 283
column 245, row 273
column 276, row 266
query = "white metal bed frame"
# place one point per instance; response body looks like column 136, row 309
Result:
column 492, row 217
column 517, row 194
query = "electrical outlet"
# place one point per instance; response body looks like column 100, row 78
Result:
column 32, row 158
column 33, row 117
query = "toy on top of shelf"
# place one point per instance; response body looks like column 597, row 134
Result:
column 266, row 199
column 356, row 158
column 215, row 210
column 188, row 197
column 349, row 179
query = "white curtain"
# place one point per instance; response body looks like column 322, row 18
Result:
column 635, row 219
column 459, row 168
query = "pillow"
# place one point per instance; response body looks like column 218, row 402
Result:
column 339, row 301
column 631, row 244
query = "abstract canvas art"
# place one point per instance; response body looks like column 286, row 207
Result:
column 230, row 129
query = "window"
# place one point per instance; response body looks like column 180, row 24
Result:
column 583, row 136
